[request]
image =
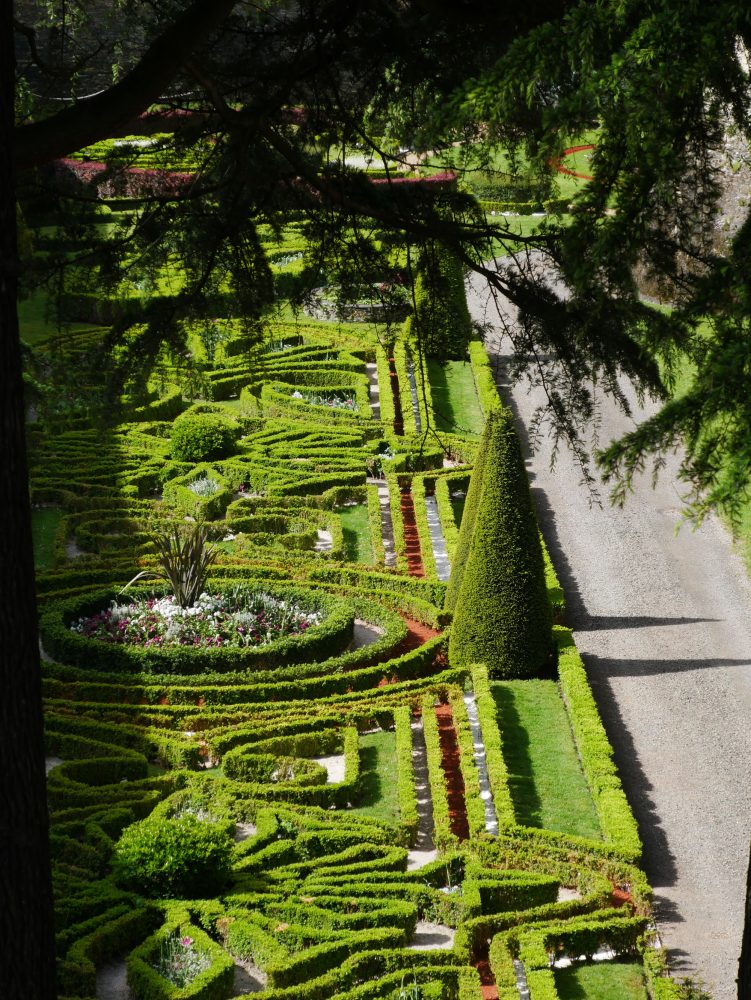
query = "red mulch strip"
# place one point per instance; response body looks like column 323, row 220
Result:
column 417, row 635
column 565, row 170
column 411, row 535
column 622, row 898
column 452, row 772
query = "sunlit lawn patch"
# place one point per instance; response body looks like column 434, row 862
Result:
column 455, row 402
column 356, row 530
column 548, row 786
column 378, row 762
column 601, row 981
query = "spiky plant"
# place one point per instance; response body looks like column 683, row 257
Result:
column 185, row 558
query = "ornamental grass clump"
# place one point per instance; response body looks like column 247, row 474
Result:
column 185, row 558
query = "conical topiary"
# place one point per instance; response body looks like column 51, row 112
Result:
column 502, row 615
column 467, row 527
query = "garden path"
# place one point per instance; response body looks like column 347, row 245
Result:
column 437, row 540
column 662, row 620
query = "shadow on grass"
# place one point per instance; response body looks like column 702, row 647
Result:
column 458, row 508
column 444, row 411
column 351, row 546
column 527, row 803
column 455, row 403
column 370, row 791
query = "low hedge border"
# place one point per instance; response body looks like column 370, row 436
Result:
column 401, row 358
column 443, row 838
column 405, row 774
column 146, row 983
column 386, row 395
column 76, row 971
column 616, row 819
column 387, row 616
column 178, row 495
column 446, row 512
column 487, row 391
column 473, row 800
column 498, row 776
column 338, row 795
column 374, row 526
column 397, row 524
column 418, row 663
column 532, row 944
column 423, row 529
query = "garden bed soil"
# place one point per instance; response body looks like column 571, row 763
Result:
column 452, row 771
column 411, row 535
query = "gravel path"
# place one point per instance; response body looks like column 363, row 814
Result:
column 662, row 620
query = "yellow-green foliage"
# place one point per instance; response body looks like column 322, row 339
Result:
column 467, row 530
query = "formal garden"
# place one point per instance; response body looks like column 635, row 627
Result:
column 315, row 726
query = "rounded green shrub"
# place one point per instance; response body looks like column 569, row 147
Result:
column 174, row 858
column 502, row 616
column 203, row 437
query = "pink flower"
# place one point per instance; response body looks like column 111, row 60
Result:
column 186, row 942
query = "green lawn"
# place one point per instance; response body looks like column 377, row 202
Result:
column 356, row 530
column 547, row 784
column 455, row 402
column 37, row 324
column 601, row 981
column 44, row 524
column 378, row 772
column 457, row 505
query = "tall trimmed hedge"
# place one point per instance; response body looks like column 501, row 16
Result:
column 502, row 616
column 441, row 324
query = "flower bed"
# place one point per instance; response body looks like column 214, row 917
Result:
column 239, row 620
column 158, row 637
column 336, row 401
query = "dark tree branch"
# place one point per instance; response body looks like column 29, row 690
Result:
column 97, row 117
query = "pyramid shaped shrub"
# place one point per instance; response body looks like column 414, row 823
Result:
column 467, row 527
column 502, row 615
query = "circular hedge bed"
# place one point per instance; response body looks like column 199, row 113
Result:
column 60, row 628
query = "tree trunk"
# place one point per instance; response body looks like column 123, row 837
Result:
column 744, row 968
column 27, row 949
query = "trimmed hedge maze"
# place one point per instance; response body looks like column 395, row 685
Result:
column 333, row 814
